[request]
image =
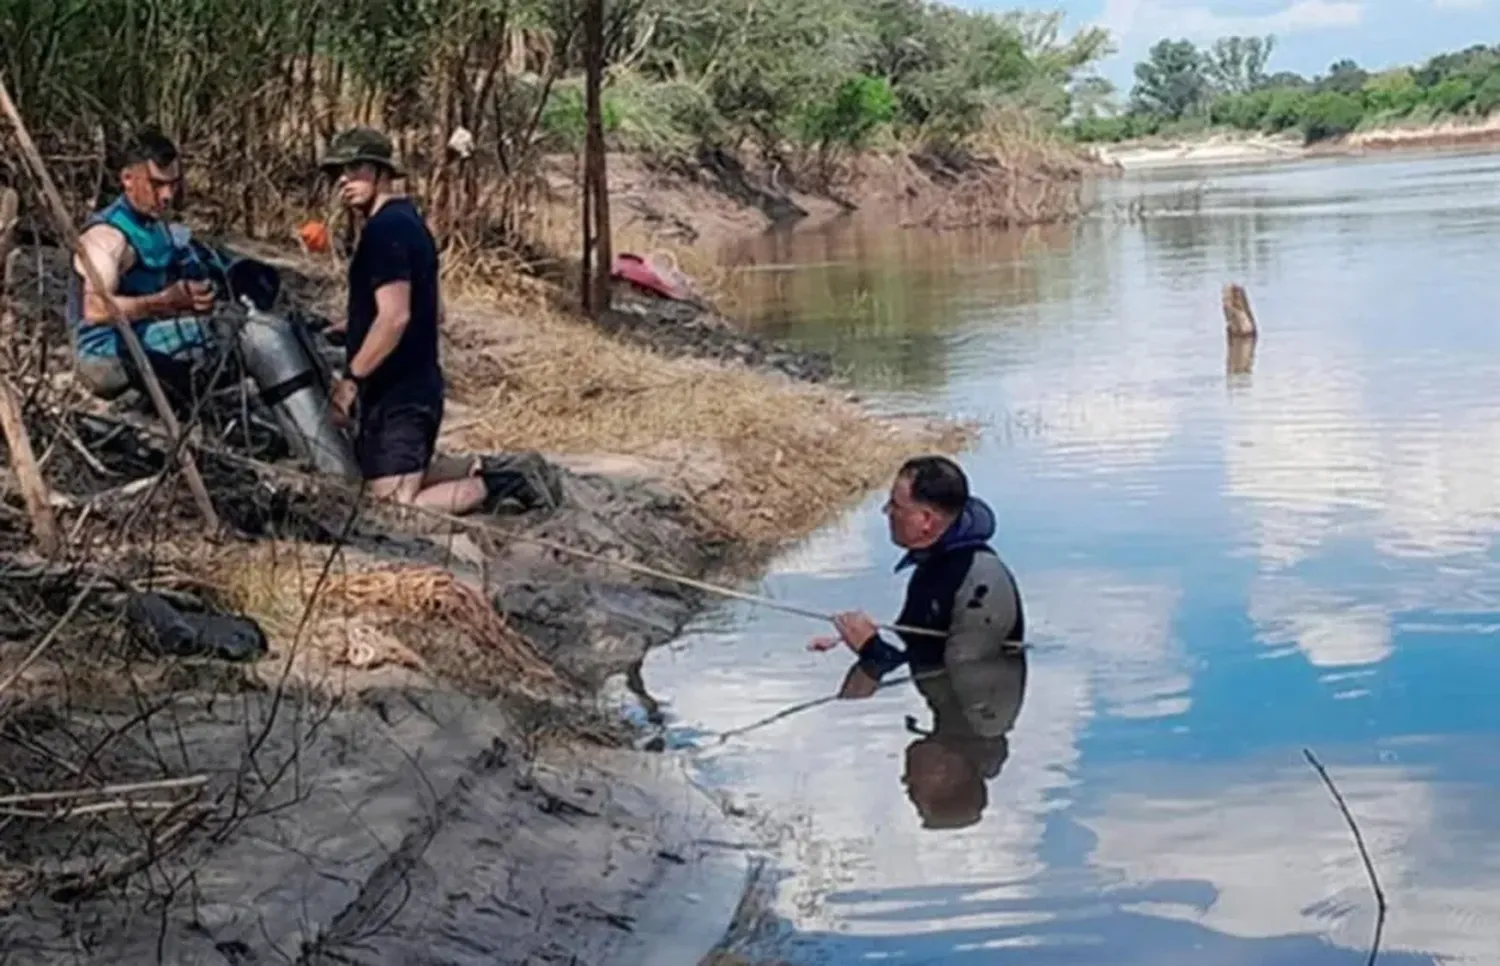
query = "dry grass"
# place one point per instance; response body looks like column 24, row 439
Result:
column 368, row 615
column 765, row 459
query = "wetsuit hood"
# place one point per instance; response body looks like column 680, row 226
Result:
column 974, row 527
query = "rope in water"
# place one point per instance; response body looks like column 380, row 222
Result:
column 799, row 708
column 485, row 526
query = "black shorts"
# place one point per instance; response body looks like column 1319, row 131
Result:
column 397, row 440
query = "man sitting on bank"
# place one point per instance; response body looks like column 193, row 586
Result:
column 959, row 586
column 141, row 266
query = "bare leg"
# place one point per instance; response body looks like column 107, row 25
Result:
column 451, row 496
column 402, row 489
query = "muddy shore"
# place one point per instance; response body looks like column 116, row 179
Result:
column 403, row 777
column 696, row 208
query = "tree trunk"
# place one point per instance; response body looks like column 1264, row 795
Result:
column 597, row 250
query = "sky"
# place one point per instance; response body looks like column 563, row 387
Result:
column 1310, row 34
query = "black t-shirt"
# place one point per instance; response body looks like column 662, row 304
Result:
column 396, row 246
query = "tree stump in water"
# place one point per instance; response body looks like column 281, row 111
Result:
column 1239, row 321
column 1240, row 357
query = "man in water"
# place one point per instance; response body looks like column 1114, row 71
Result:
column 144, row 269
column 393, row 386
column 959, row 587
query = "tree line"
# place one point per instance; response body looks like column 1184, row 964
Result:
column 251, row 88
column 1182, row 89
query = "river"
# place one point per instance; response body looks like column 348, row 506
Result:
column 1223, row 562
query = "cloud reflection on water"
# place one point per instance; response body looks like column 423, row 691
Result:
column 1335, row 511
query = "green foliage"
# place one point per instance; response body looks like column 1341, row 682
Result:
column 859, row 106
column 1172, row 81
column 828, row 74
column 1393, row 93
column 1229, row 85
column 251, row 88
column 1237, row 65
column 1330, row 114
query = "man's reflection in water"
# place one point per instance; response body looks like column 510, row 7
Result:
column 975, row 700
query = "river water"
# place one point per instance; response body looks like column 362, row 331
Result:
column 1223, row 562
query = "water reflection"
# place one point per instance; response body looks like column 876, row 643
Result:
column 883, row 302
column 974, row 704
column 1239, row 360
column 1224, row 557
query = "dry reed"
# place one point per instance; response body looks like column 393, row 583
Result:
column 766, row 459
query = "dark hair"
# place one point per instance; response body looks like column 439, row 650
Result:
column 147, row 144
column 938, row 482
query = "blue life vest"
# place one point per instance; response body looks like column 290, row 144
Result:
column 156, row 267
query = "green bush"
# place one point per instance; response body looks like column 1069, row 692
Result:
column 1247, row 112
column 1284, row 111
column 1330, row 114
column 1452, row 94
column 565, row 118
column 858, row 107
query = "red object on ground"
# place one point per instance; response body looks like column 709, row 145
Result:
column 637, row 271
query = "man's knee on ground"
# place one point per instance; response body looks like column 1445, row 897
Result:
column 402, row 489
column 105, row 378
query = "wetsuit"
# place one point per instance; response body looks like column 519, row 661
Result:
column 959, row 586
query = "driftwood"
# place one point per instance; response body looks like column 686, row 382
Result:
column 1239, row 320
column 17, row 441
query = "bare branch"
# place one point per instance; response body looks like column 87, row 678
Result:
column 1364, row 853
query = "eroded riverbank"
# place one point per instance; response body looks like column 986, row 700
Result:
column 418, row 765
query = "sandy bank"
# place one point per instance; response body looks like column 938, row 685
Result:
column 1224, row 149
column 1211, row 151
column 418, row 769
column 1447, row 134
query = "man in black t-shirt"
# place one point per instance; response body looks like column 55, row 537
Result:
column 395, row 307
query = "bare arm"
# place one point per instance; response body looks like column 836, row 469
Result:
column 392, row 313
column 106, row 249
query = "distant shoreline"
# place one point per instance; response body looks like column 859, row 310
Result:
column 1224, row 148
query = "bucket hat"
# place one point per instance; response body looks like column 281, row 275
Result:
column 357, row 144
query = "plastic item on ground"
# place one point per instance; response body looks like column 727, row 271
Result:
column 654, row 276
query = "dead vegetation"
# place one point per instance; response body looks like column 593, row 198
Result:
column 766, row 459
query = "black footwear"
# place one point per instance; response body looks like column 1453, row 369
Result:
column 166, row 630
column 519, row 482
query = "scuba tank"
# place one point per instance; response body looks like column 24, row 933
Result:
column 296, row 388
column 280, row 354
